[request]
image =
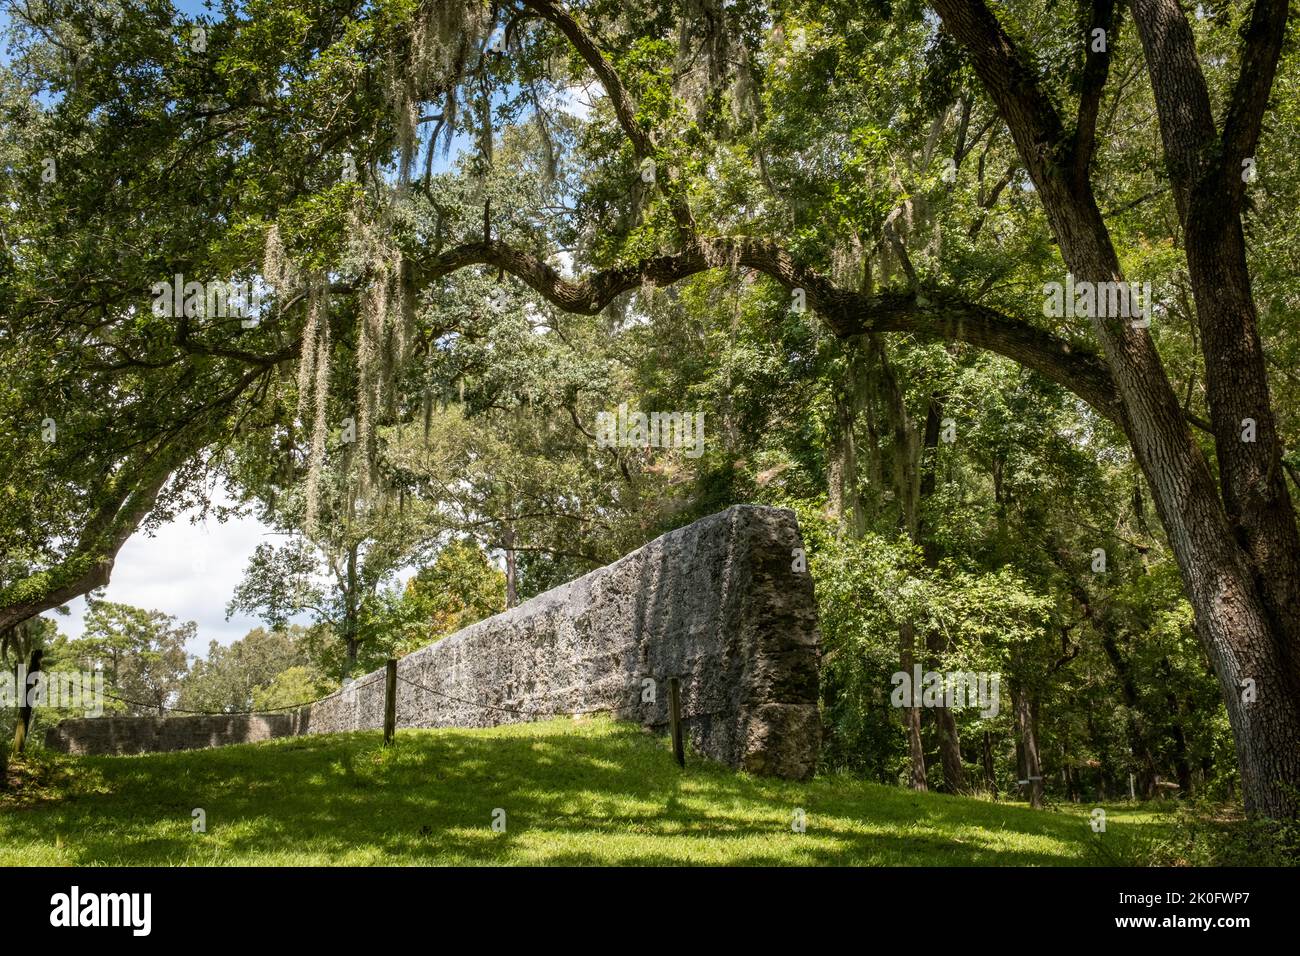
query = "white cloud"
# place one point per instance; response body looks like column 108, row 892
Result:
column 577, row 100
column 185, row 569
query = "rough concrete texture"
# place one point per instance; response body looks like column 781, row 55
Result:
column 716, row 604
column 138, row 735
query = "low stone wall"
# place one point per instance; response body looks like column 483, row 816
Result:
column 717, row 604
column 138, row 735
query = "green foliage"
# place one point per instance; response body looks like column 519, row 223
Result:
column 17, row 644
column 298, row 684
column 459, row 588
column 233, row 676
column 142, row 653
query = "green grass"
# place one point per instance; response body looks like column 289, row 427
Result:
column 589, row 792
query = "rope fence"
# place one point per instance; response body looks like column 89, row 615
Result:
column 237, row 713
column 392, row 677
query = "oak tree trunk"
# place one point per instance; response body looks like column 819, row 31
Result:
column 1239, row 555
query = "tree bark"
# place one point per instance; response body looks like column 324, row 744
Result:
column 846, row 502
column 1026, row 716
column 954, row 770
column 1239, row 579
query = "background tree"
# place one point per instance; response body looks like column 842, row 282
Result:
column 231, row 676
column 142, row 654
column 459, row 588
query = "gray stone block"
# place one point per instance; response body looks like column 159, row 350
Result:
column 138, row 735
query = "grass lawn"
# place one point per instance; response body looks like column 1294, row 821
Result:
column 589, row 792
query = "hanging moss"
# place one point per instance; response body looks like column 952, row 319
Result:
column 316, row 462
column 313, row 387
column 307, row 358
column 278, row 270
column 443, row 37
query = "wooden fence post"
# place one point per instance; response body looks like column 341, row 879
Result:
column 675, row 719
column 390, row 701
column 25, row 708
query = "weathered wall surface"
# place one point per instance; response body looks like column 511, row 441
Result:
column 716, row 604
column 138, row 735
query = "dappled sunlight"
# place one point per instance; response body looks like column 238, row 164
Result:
column 591, row 793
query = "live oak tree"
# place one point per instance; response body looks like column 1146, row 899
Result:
column 696, row 158
column 1236, row 540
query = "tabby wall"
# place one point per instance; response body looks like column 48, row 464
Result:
column 718, row 604
column 138, row 735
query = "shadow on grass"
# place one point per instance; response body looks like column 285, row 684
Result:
column 594, row 793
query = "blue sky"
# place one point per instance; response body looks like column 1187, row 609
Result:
column 188, row 567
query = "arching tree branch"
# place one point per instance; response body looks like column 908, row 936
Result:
column 847, row 314
column 125, row 501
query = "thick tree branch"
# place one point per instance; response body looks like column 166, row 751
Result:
column 91, row 561
column 1259, row 59
column 126, row 501
column 1095, row 70
column 846, row 313
column 621, row 100
column 586, row 47
column 1204, row 166
column 1182, row 98
column 1011, row 79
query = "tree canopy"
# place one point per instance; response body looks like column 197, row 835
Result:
column 469, row 229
